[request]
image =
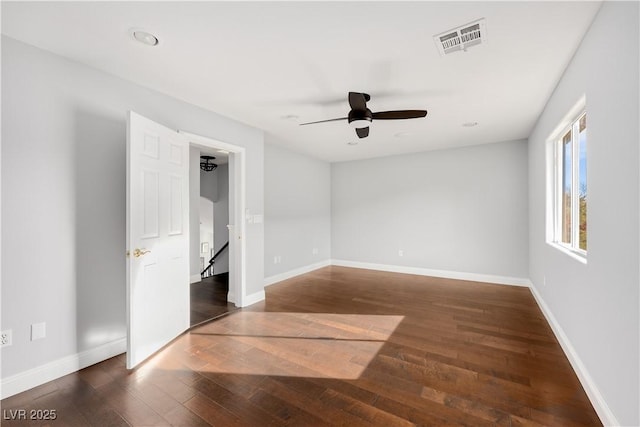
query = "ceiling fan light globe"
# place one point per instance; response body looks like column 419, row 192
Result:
column 360, row 123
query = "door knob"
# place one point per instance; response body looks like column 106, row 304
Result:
column 139, row 252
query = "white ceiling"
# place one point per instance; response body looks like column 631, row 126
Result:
column 259, row 62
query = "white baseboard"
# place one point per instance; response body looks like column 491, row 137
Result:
column 195, row 278
column 253, row 298
column 589, row 385
column 295, row 272
column 58, row 368
column 487, row 278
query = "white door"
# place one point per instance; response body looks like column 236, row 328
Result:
column 157, row 237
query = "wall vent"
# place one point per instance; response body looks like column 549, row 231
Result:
column 461, row 38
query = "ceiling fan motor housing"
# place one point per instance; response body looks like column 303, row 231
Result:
column 360, row 118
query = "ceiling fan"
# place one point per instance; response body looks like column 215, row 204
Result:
column 360, row 117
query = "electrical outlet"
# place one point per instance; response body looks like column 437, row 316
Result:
column 6, row 338
column 315, row 251
column 400, row 252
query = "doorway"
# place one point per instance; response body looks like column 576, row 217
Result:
column 209, row 286
column 216, row 246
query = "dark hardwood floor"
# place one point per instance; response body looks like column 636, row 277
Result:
column 209, row 298
column 341, row 346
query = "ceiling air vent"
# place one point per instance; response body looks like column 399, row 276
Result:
column 461, row 38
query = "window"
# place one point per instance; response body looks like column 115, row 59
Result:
column 570, row 225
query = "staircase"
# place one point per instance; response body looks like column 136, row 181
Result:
column 208, row 271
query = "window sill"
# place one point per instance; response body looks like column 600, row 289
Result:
column 578, row 256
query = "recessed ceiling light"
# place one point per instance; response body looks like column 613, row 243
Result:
column 352, row 143
column 470, row 124
column 145, row 38
column 223, row 152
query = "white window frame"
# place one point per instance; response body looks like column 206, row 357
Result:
column 558, row 165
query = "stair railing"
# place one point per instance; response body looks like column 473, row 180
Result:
column 204, row 273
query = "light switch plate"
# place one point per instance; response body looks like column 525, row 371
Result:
column 38, row 331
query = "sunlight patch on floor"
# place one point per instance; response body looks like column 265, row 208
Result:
column 319, row 345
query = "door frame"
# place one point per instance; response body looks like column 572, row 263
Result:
column 237, row 244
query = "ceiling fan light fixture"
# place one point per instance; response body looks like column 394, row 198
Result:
column 360, row 123
column 205, row 165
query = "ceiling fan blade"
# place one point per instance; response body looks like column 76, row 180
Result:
column 398, row 114
column 323, row 121
column 358, row 101
column 362, row 132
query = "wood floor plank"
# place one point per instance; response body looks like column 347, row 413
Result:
column 132, row 409
column 241, row 406
column 172, row 386
column 183, row 417
column 305, row 394
column 285, row 412
column 94, row 407
column 212, row 413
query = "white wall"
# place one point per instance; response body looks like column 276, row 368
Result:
column 194, row 213
column 297, row 210
column 63, row 195
column 596, row 305
column 460, row 210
